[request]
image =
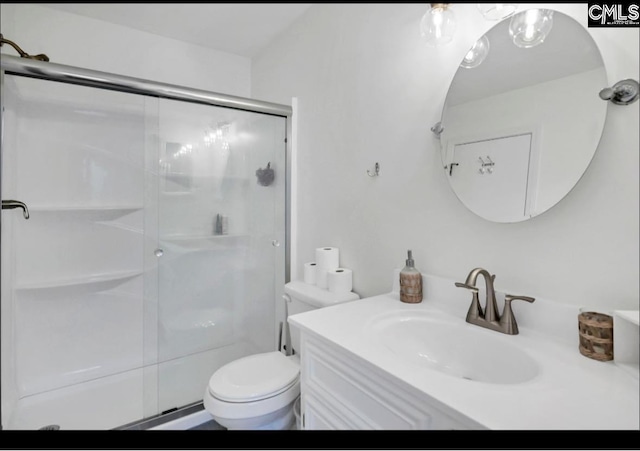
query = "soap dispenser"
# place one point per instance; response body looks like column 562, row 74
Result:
column 410, row 282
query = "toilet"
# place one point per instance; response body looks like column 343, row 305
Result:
column 259, row 391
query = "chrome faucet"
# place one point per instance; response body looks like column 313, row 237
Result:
column 505, row 323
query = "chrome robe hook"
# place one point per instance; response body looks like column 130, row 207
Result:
column 376, row 171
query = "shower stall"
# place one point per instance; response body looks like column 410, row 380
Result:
column 152, row 254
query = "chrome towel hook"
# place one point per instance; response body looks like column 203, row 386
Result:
column 376, row 171
column 622, row 93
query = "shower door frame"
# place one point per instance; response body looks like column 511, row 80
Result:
column 13, row 65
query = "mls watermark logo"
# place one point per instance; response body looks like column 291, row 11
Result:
column 614, row 15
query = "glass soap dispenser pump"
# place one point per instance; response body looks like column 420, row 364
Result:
column 410, row 282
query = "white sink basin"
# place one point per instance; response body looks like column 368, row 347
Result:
column 440, row 342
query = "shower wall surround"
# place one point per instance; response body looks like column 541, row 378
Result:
column 369, row 90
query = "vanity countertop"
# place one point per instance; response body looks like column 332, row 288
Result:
column 569, row 391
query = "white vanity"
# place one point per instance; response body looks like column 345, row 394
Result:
column 378, row 363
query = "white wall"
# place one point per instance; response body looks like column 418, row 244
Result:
column 94, row 44
column 369, row 90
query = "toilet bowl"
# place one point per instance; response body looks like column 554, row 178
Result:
column 259, row 391
column 255, row 392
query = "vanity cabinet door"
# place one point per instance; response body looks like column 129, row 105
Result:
column 339, row 391
column 319, row 416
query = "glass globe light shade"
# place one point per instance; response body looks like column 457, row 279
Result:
column 530, row 28
column 497, row 11
column 438, row 24
column 476, row 54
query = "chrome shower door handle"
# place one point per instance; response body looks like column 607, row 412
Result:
column 11, row 204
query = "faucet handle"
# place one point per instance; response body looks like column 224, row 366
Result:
column 508, row 320
column 475, row 311
column 468, row 287
column 510, row 297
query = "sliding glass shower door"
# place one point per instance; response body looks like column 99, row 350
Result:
column 72, row 274
column 152, row 256
column 220, row 251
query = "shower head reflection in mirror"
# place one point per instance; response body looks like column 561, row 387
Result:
column 535, row 110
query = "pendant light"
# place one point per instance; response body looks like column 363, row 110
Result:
column 530, row 28
column 476, row 54
column 438, row 24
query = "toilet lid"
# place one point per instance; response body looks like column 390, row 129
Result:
column 254, row 377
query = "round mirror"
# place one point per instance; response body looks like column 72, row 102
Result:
column 522, row 118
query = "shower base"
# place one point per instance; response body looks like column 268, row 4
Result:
column 127, row 397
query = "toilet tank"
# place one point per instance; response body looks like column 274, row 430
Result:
column 301, row 297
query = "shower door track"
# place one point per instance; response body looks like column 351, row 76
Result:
column 86, row 77
column 13, row 65
column 162, row 418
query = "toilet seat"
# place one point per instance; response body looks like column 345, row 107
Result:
column 254, row 377
column 253, row 385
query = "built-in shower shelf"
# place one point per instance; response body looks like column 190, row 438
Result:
column 95, row 212
column 186, row 238
column 86, row 208
column 107, row 278
column 202, row 242
column 194, row 184
column 231, row 177
column 179, row 193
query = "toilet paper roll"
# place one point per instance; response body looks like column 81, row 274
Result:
column 326, row 258
column 340, row 280
column 310, row 273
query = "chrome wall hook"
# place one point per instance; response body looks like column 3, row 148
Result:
column 376, row 171
column 622, row 93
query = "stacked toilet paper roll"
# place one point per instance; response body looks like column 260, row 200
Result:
column 327, row 258
column 340, row 280
column 310, row 273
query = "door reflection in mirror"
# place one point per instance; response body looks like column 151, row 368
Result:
column 502, row 195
